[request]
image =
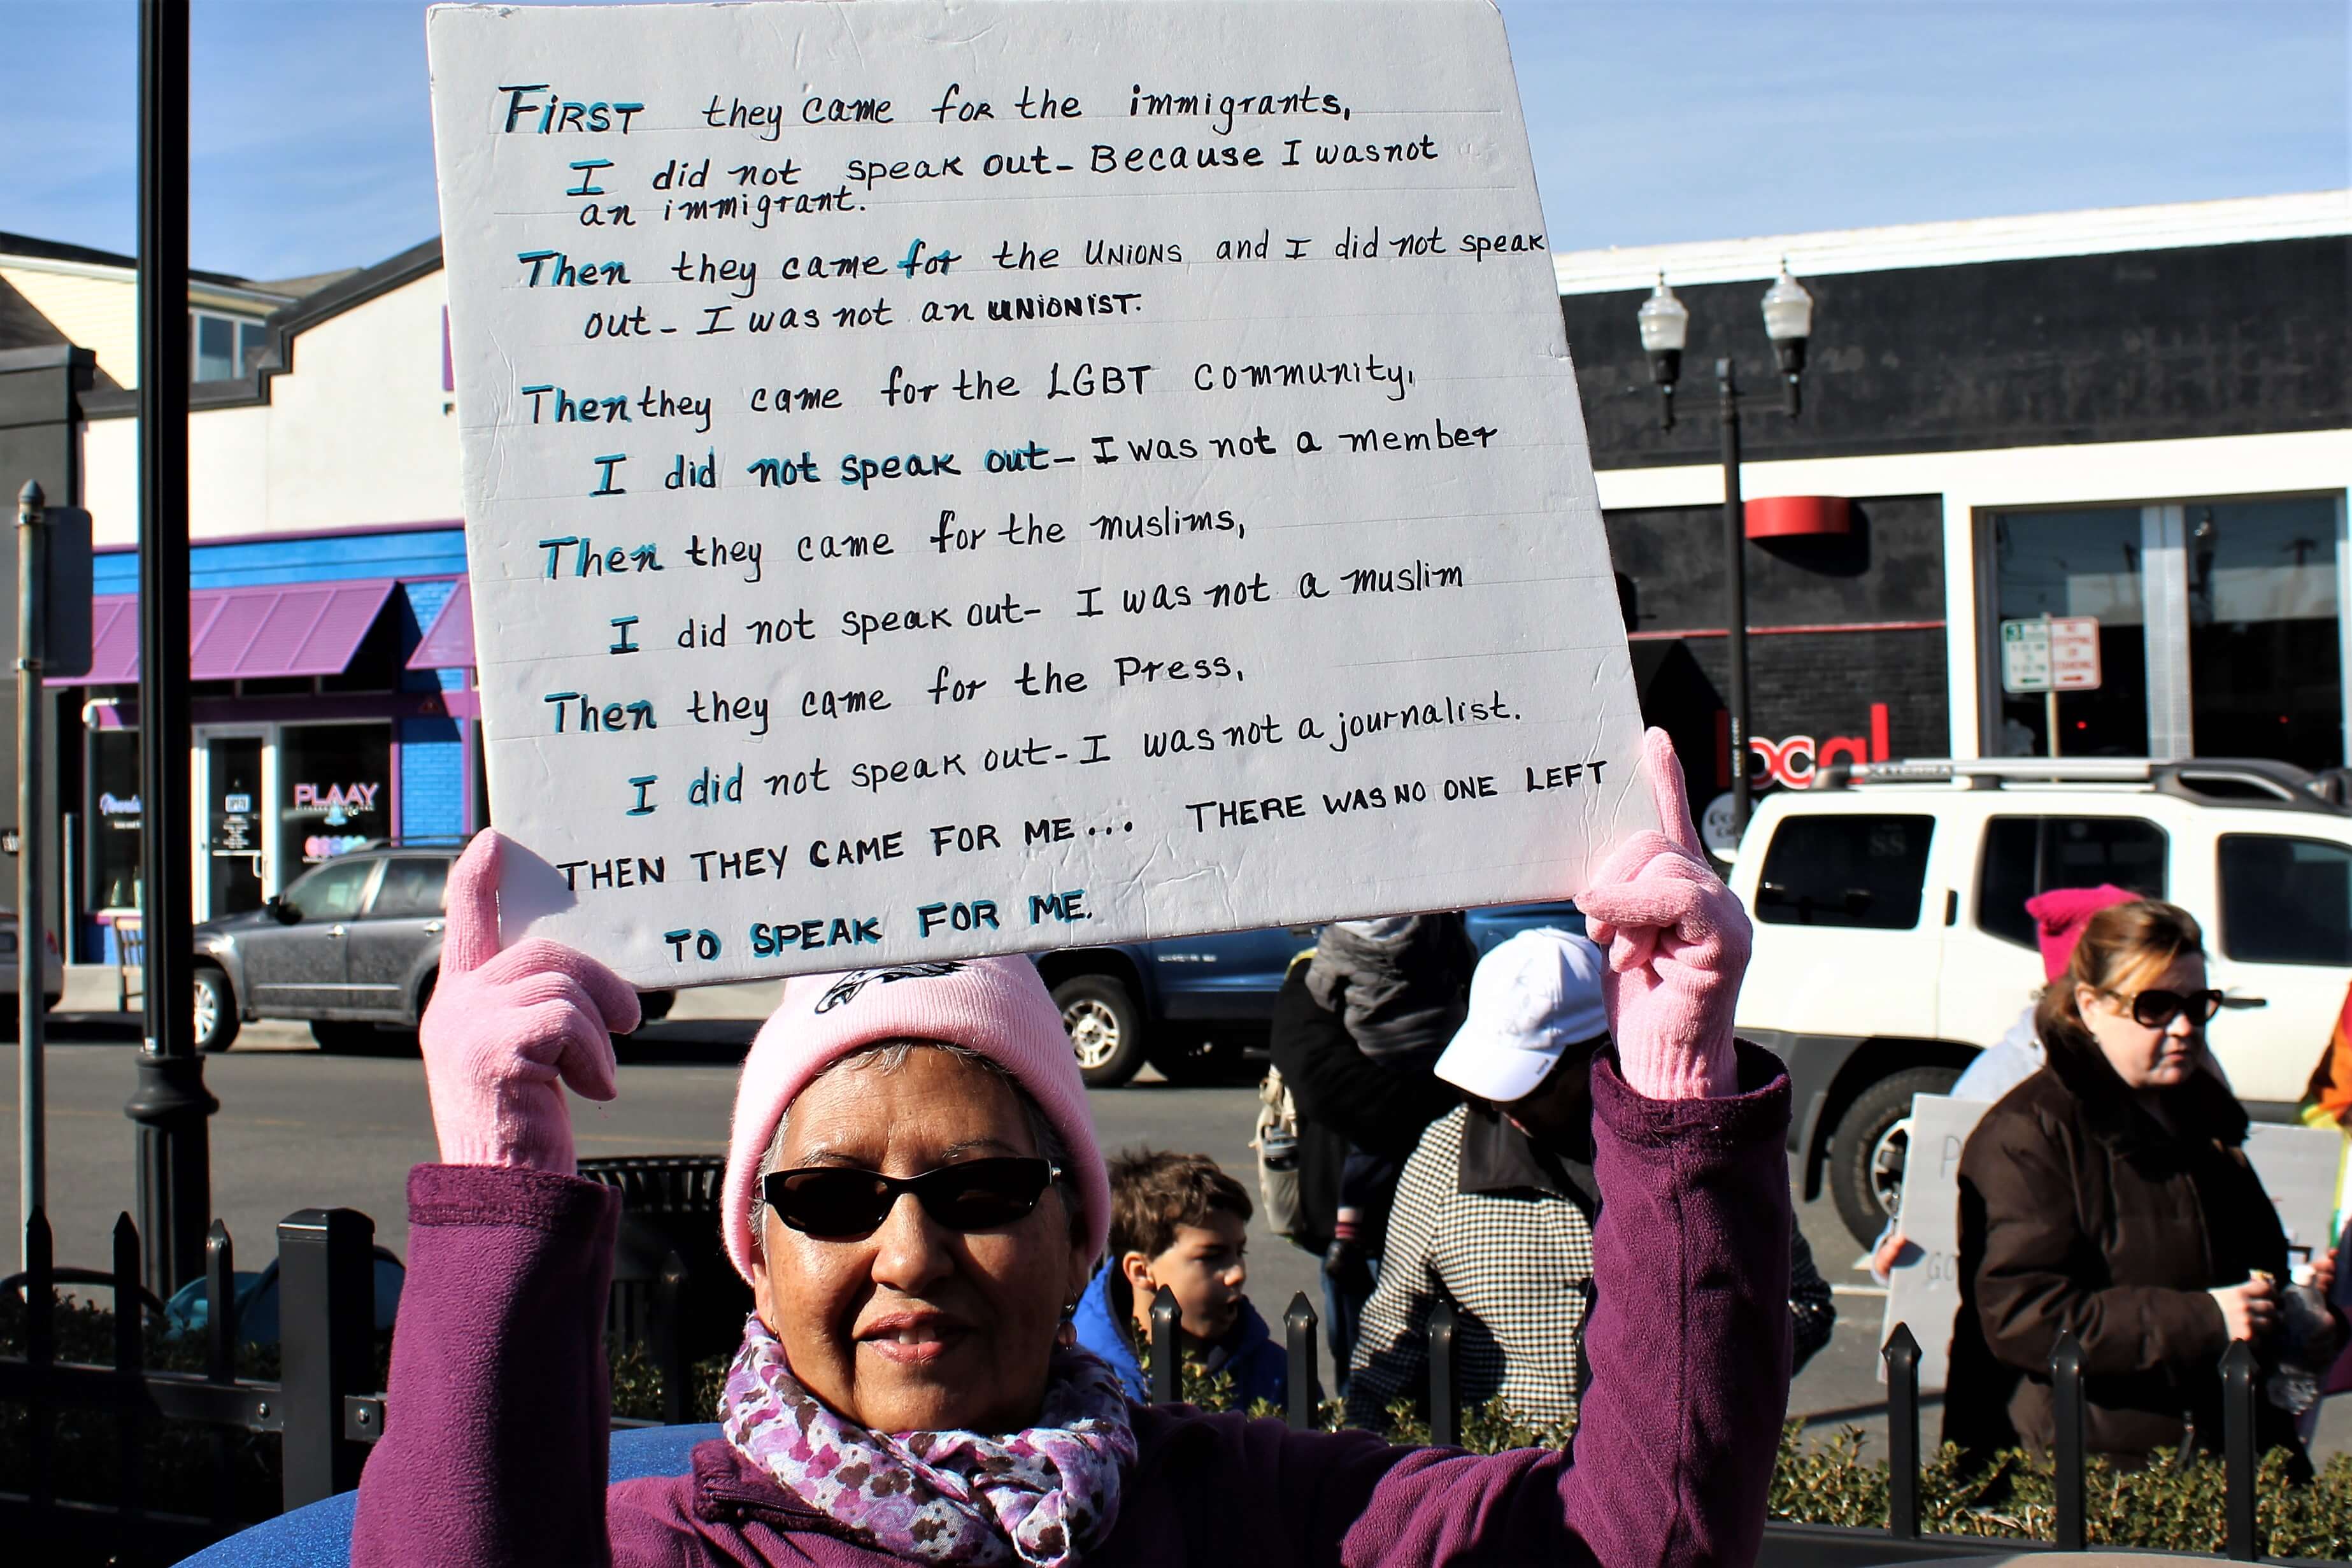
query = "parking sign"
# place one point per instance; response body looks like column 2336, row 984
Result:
column 2049, row 653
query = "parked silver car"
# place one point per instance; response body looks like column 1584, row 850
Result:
column 354, row 945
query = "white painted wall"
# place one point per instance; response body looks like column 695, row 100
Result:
column 359, row 433
column 109, row 480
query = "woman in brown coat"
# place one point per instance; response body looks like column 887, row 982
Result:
column 2108, row 1195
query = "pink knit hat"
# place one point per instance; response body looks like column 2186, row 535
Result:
column 996, row 1007
column 2060, row 915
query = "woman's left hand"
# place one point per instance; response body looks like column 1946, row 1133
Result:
column 1677, row 943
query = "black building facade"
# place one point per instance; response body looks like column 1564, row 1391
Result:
column 2142, row 416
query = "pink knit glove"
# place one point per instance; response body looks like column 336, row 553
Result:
column 1677, row 943
column 503, row 1027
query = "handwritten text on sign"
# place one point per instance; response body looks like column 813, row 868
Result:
column 950, row 479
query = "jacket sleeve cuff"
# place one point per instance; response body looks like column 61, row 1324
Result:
column 1701, row 1072
column 1757, row 1108
column 508, row 1194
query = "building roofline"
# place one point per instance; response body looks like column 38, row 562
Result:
column 284, row 326
column 2096, row 232
column 83, row 260
column 46, row 356
column 342, row 531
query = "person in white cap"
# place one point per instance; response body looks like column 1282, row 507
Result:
column 1495, row 1208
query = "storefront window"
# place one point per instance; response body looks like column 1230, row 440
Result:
column 334, row 789
column 2076, row 564
column 2219, row 628
column 2265, row 670
column 114, row 819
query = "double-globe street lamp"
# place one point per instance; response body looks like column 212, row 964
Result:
column 1664, row 321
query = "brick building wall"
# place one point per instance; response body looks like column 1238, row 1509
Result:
column 1838, row 627
column 1825, row 685
column 432, row 779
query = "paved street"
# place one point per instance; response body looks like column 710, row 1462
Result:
column 297, row 1128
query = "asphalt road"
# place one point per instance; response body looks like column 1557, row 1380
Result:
column 299, row 1129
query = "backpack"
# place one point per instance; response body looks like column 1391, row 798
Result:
column 1276, row 1142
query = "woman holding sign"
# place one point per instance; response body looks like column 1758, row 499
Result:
column 915, row 1194
column 2108, row 1195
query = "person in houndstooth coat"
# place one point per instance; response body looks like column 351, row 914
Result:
column 1495, row 1208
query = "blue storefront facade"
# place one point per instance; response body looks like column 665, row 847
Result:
column 322, row 718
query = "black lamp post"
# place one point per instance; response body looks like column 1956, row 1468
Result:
column 170, row 1103
column 1664, row 323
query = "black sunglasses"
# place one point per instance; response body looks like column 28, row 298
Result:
column 2157, row 1009
column 841, row 1203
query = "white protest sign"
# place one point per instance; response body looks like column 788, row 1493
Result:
column 1923, row 1289
column 953, row 478
column 2296, row 1166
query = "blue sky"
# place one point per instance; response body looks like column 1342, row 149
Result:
column 1667, row 121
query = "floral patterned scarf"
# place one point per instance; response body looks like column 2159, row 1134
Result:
column 1042, row 1497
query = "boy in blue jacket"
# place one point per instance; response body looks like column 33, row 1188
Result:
column 1181, row 1221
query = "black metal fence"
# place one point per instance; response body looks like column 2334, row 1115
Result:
column 325, row 1405
column 327, row 1410
column 1902, row 1540
column 325, row 1267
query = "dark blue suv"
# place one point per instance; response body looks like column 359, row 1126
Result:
column 1191, row 1005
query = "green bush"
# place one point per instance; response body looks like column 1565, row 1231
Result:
column 2166, row 1505
column 637, row 1387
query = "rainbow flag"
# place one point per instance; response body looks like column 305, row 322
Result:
column 2328, row 1099
column 2328, row 1102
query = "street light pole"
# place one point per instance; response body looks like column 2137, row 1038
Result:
column 1664, row 324
column 1735, row 592
column 170, row 1104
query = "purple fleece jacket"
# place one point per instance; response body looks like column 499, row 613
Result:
column 494, row 1449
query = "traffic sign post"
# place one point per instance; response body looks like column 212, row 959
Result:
column 2050, row 653
column 52, row 636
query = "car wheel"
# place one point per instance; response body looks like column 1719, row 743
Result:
column 344, row 1035
column 1105, row 1028
column 1871, row 1142
column 216, row 1019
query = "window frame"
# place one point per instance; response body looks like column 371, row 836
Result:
column 439, row 906
column 2224, row 936
column 1808, row 820
column 246, row 334
column 1984, row 858
column 370, row 871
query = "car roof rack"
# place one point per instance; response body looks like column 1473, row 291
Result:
column 2255, row 782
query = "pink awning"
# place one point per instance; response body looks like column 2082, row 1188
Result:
column 244, row 634
column 113, row 643
column 448, row 643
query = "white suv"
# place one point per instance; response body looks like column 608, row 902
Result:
column 1892, row 941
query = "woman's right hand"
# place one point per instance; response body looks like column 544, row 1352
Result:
column 506, row 1031
column 2249, row 1311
